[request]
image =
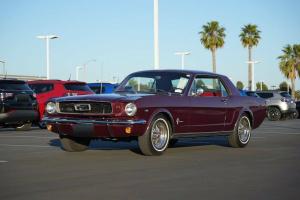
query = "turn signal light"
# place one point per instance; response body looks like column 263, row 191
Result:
column 49, row 127
column 128, row 130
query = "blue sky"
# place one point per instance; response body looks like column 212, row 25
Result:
column 119, row 35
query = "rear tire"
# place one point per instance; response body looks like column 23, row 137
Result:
column 274, row 114
column 156, row 139
column 74, row 144
column 242, row 133
column 23, row 127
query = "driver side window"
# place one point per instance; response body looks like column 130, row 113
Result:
column 205, row 86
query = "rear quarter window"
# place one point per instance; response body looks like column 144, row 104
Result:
column 77, row 87
column 41, row 88
column 285, row 94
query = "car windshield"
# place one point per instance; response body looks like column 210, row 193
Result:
column 155, row 82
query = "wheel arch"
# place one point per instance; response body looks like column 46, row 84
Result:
column 164, row 112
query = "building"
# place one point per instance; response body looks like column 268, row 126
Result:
column 22, row 77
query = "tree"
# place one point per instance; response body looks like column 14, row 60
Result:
column 261, row 86
column 289, row 63
column 212, row 37
column 297, row 94
column 283, row 86
column 239, row 85
column 250, row 37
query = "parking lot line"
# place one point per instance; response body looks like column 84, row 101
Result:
column 282, row 133
column 15, row 136
column 22, row 145
column 3, row 161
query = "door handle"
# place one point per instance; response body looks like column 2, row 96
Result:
column 224, row 100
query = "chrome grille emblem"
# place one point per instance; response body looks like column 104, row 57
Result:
column 82, row 107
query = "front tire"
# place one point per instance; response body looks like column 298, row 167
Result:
column 24, row 127
column 156, row 139
column 74, row 144
column 242, row 133
column 274, row 114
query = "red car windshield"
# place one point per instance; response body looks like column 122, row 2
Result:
column 155, row 82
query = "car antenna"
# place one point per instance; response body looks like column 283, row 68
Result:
column 70, row 77
column 5, row 75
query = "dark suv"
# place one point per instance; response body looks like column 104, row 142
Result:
column 18, row 105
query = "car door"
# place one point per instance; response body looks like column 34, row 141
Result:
column 208, row 101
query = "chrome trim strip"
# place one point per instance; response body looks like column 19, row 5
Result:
column 80, row 121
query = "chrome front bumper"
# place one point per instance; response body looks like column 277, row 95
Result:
column 81, row 121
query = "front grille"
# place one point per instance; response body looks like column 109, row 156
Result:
column 85, row 107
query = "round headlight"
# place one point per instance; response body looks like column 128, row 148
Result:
column 51, row 107
column 130, row 109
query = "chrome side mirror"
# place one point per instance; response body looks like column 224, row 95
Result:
column 199, row 92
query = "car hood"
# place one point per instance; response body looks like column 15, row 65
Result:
column 104, row 97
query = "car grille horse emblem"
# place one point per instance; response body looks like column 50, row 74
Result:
column 82, row 107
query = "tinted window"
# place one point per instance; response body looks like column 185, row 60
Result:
column 251, row 94
column 285, row 94
column 98, row 90
column 14, row 86
column 77, row 87
column 41, row 88
column 265, row 95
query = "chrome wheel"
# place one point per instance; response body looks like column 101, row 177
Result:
column 160, row 134
column 244, row 130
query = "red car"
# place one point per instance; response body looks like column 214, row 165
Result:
column 157, row 108
column 47, row 89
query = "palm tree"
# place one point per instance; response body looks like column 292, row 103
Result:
column 289, row 63
column 250, row 37
column 212, row 37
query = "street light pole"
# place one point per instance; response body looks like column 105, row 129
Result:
column 251, row 87
column 84, row 67
column 77, row 72
column 182, row 54
column 3, row 63
column 156, row 41
column 47, row 38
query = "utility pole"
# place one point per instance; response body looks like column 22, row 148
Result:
column 156, row 40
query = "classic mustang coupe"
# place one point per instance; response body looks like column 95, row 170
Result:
column 156, row 108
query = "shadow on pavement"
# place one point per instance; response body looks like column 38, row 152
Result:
column 133, row 146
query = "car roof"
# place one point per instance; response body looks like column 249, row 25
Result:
column 271, row 91
column 98, row 84
column 55, row 82
column 193, row 72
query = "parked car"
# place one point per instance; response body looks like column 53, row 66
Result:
column 157, row 107
column 47, row 89
column 248, row 93
column 298, row 109
column 102, row 88
column 18, row 105
column 279, row 104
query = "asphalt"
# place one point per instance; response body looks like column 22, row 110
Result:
column 32, row 166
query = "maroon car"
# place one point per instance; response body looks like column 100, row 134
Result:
column 156, row 108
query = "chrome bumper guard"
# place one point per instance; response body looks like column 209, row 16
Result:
column 103, row 122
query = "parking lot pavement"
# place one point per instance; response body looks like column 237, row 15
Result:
column 32, row 166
